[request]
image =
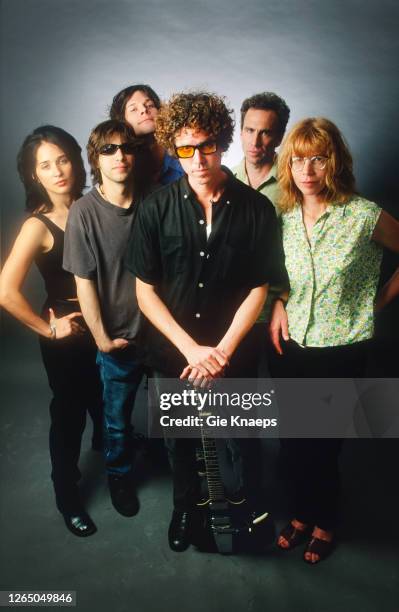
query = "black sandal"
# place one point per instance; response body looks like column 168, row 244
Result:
column 293, row 536
column 322, row 548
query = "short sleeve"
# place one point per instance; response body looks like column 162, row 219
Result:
column 371, row 212
column 142, row 256
column 79, row 258
column 268, row 265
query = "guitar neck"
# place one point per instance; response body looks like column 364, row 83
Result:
column 213, row 475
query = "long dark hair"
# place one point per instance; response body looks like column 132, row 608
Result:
column 117, row 108
column 36, row 195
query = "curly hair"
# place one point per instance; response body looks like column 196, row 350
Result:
column 36, row 197
column 267, row 100
column 100, row 136
column 316, row 136
column 196, row 110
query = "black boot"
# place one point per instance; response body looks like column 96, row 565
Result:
column 123, row 494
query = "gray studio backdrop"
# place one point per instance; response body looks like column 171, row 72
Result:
column 62, row 62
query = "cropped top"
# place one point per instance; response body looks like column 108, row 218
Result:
column 60, row 284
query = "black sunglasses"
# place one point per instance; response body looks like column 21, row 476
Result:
column 127, row 148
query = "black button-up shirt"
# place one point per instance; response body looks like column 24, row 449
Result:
column 203, row 281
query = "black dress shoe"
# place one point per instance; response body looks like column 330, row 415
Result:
column 179, row 531
column 123, row 495
column 80, row 524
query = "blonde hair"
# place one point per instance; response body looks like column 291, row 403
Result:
column 316, row 136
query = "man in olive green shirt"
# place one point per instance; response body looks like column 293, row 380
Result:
column 264, row 118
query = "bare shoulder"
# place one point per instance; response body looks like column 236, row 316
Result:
column 34, row 233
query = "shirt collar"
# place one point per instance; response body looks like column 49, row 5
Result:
column 169, row 162
column 228, row 193
column 271, row 177
column 241, row 173
column 273, row 171
column 335, row 208
column 171, row 169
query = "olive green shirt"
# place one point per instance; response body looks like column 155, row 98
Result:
column 333, row 274
column 269, row 187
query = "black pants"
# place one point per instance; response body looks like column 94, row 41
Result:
column 75, row 382
column 244, row 453
column 311, row 463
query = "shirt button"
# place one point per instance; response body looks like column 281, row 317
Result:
column 228, row 202
column 201, row 222
column 200, row 285
column 197, row 314
column 202, row 253
column 185, row 196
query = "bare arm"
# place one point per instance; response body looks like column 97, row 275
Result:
column 33, row 239
column 208, row 360
column 244, row 319
column 279, row 322
column 88, row 299
column 386, row 233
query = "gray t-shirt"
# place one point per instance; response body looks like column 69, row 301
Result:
column 96, row 237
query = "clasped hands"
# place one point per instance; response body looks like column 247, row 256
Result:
column 205, row 363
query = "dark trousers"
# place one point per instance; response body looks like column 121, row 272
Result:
column 244, row 453
column 182, row 460
column 75, row 382
column 311, row 463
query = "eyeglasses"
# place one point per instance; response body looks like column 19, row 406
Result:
column 318, row 162
column 127, row 148
column 207, row 148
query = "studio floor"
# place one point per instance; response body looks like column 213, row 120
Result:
column 127, row 564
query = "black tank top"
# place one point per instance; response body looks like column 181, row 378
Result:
column 60, row 285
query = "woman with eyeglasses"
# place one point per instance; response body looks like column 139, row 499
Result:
column 321, row 328
column 52, row 172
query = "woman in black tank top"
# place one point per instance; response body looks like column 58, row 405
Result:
column 51, row 168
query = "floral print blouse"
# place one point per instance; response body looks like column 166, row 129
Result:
column 333, row 274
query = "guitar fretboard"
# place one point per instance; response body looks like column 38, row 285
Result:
column 215, row 484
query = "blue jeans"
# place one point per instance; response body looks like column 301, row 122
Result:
column 121, row 373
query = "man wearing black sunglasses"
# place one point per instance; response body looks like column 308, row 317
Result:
column 96, row 236
column 203, row 250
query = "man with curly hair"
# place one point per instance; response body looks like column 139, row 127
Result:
column 203, row 250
